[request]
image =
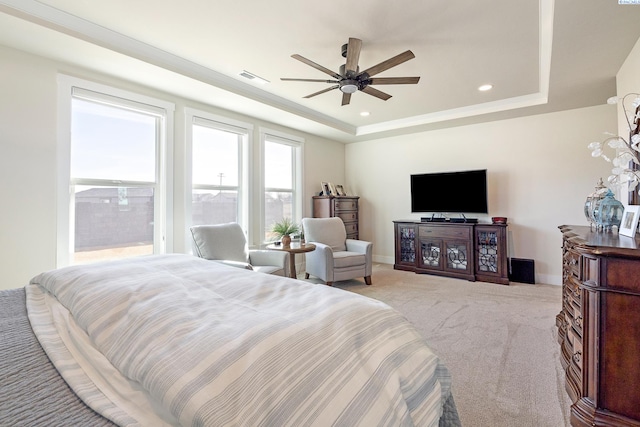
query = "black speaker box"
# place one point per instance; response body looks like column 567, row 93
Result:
column 522, row 270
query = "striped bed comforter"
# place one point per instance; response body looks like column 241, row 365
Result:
column 178, row 340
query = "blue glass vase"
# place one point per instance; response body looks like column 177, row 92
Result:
column 607, row 212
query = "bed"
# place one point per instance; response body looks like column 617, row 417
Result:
column 169, row 340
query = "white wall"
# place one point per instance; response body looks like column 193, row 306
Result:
column 628, row 81
column 28, row 161
column 539, row 174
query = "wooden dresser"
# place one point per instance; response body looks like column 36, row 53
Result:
column 599, row 326
column 344, row 207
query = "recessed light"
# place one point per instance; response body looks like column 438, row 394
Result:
column 485, row 88
column 253, row 77
column 365, row 113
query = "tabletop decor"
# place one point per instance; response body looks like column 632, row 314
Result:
column 284, row 229
column 607, row 212
column 591, row 201
column 629, row 222
column 626, row 157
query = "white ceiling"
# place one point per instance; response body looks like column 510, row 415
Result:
column 540, row 55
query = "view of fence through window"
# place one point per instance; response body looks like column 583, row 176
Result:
column 215, row 175
column 113, row 222
column 111, row 144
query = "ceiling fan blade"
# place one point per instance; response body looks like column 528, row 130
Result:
column 346, row 98
column 308, row 80
column 375, row 92
column 394, row 80
column 353, row 54
column 391, row 62
column 316, row 66
column 323, row 91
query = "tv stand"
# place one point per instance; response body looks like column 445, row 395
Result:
column 464, row 250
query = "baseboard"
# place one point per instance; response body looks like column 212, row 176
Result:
column 384, row 259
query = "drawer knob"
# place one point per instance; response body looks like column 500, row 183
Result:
column 578, row 321
column 577, row 357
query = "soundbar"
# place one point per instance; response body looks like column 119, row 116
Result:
column 452, row 220
column 464, row 220
column 433, row 219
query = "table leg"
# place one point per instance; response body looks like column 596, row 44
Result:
column 292, row 266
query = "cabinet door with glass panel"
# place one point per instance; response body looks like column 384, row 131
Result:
column 446, row 249
column 405, row 235
column 429, row 254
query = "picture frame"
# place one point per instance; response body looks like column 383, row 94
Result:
column 326, row 190
column 629, row 223
column 332, row 189
column 340, row 190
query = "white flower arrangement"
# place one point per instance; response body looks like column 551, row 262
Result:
column 626, row 159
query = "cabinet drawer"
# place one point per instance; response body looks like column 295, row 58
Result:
column 346, row 205
column 448, row 232
column 347, row 216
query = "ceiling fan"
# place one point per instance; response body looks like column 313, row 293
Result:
column 350, row 79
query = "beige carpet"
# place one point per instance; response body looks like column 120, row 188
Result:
column 498, row 341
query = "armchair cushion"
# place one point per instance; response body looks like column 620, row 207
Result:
column 347, row 259
column 272, row 262
column 329, row 231
column 224, row 241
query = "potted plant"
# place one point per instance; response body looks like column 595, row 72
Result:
column 284, row 229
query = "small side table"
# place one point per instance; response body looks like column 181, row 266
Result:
column 293, row 249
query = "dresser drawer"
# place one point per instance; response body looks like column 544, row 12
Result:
column 574, row 291
column 590, row 271
column 571, row 263
column 347, row 216
column 576, row 356
column 351, row 228
column 345, row 205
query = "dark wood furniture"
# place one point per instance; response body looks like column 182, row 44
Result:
column 599, row 326
column 344, row 207
column 462, row 250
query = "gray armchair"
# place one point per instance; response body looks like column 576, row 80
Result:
column 336, row 257
column 227, row 244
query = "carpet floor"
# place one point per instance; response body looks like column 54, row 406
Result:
column 499, row 342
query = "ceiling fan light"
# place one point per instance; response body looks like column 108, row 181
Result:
column 349, row 88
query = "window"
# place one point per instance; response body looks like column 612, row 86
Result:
column 114, row 165
column 218, row 158
column 282, row 179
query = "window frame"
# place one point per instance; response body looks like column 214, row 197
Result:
column 298, row 175
column 72, row 87
column 244, row 131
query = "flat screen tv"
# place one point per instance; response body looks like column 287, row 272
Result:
column 450, row 192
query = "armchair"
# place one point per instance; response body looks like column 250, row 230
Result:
column 227, row 244
column 336, row 257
